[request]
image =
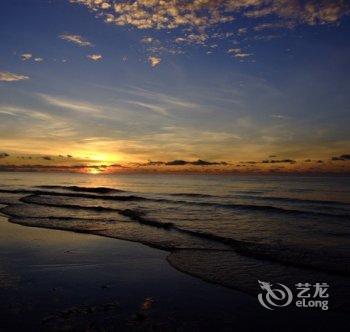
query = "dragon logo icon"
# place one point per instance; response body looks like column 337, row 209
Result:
column 278, row 296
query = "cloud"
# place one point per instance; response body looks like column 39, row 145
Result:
column 6, row 76
column 146, row 14
column 343, row 157
column 3, row 155
column 192, row 38
column 154, row 61
column 76, row 39
column 70, row 104
column 310, row 12
column 181, row 162
column 199, row 22
column 283, row 161
column 242, row 31
column 276, row 25
column 238, row 53
column 27, row 112
column 147, row 40
column 26, row 56
column 94, row 57
column 154, row 108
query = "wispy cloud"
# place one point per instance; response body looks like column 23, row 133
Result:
column 19, row 111
column 94, row 57
column 76, row 39
column 278, row 116
column 6, row 76
column 154, row 108
column 70, row 104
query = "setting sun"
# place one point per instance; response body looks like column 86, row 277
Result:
column 94, row 171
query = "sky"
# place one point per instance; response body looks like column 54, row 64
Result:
column 249, row 85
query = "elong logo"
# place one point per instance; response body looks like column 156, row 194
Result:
column 281, row 296
column 274, row 297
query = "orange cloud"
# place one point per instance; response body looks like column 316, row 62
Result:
column 145, row 14
column 154, row 61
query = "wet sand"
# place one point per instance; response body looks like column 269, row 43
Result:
column 54, row 280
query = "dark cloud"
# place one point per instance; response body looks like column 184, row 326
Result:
column 198, row 162
column 283, row 161
column 4, row 155
column 46, row 158
column 181, row 162
column 249, row 162
column 153, row 163
column 343, row 157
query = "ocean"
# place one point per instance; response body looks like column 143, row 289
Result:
column 226, row 229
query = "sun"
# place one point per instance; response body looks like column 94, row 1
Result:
column 94, row 170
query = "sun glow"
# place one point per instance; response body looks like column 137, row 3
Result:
column 96, row 157
column 94, row 171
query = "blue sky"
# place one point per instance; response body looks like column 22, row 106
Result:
column 233, row 80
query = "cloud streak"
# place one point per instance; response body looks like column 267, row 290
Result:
column 75, row 39
column 70, row 104
column 6, row 76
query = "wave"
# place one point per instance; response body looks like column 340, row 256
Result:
column 78, row 195
column 262, row 208
column 216, row 254
column 215, row 258
column 240, row 272
column 134, row 215
column 171, row 237
column 231, row 206
column 293, row 200
column 192, row 195
column 97, row 190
